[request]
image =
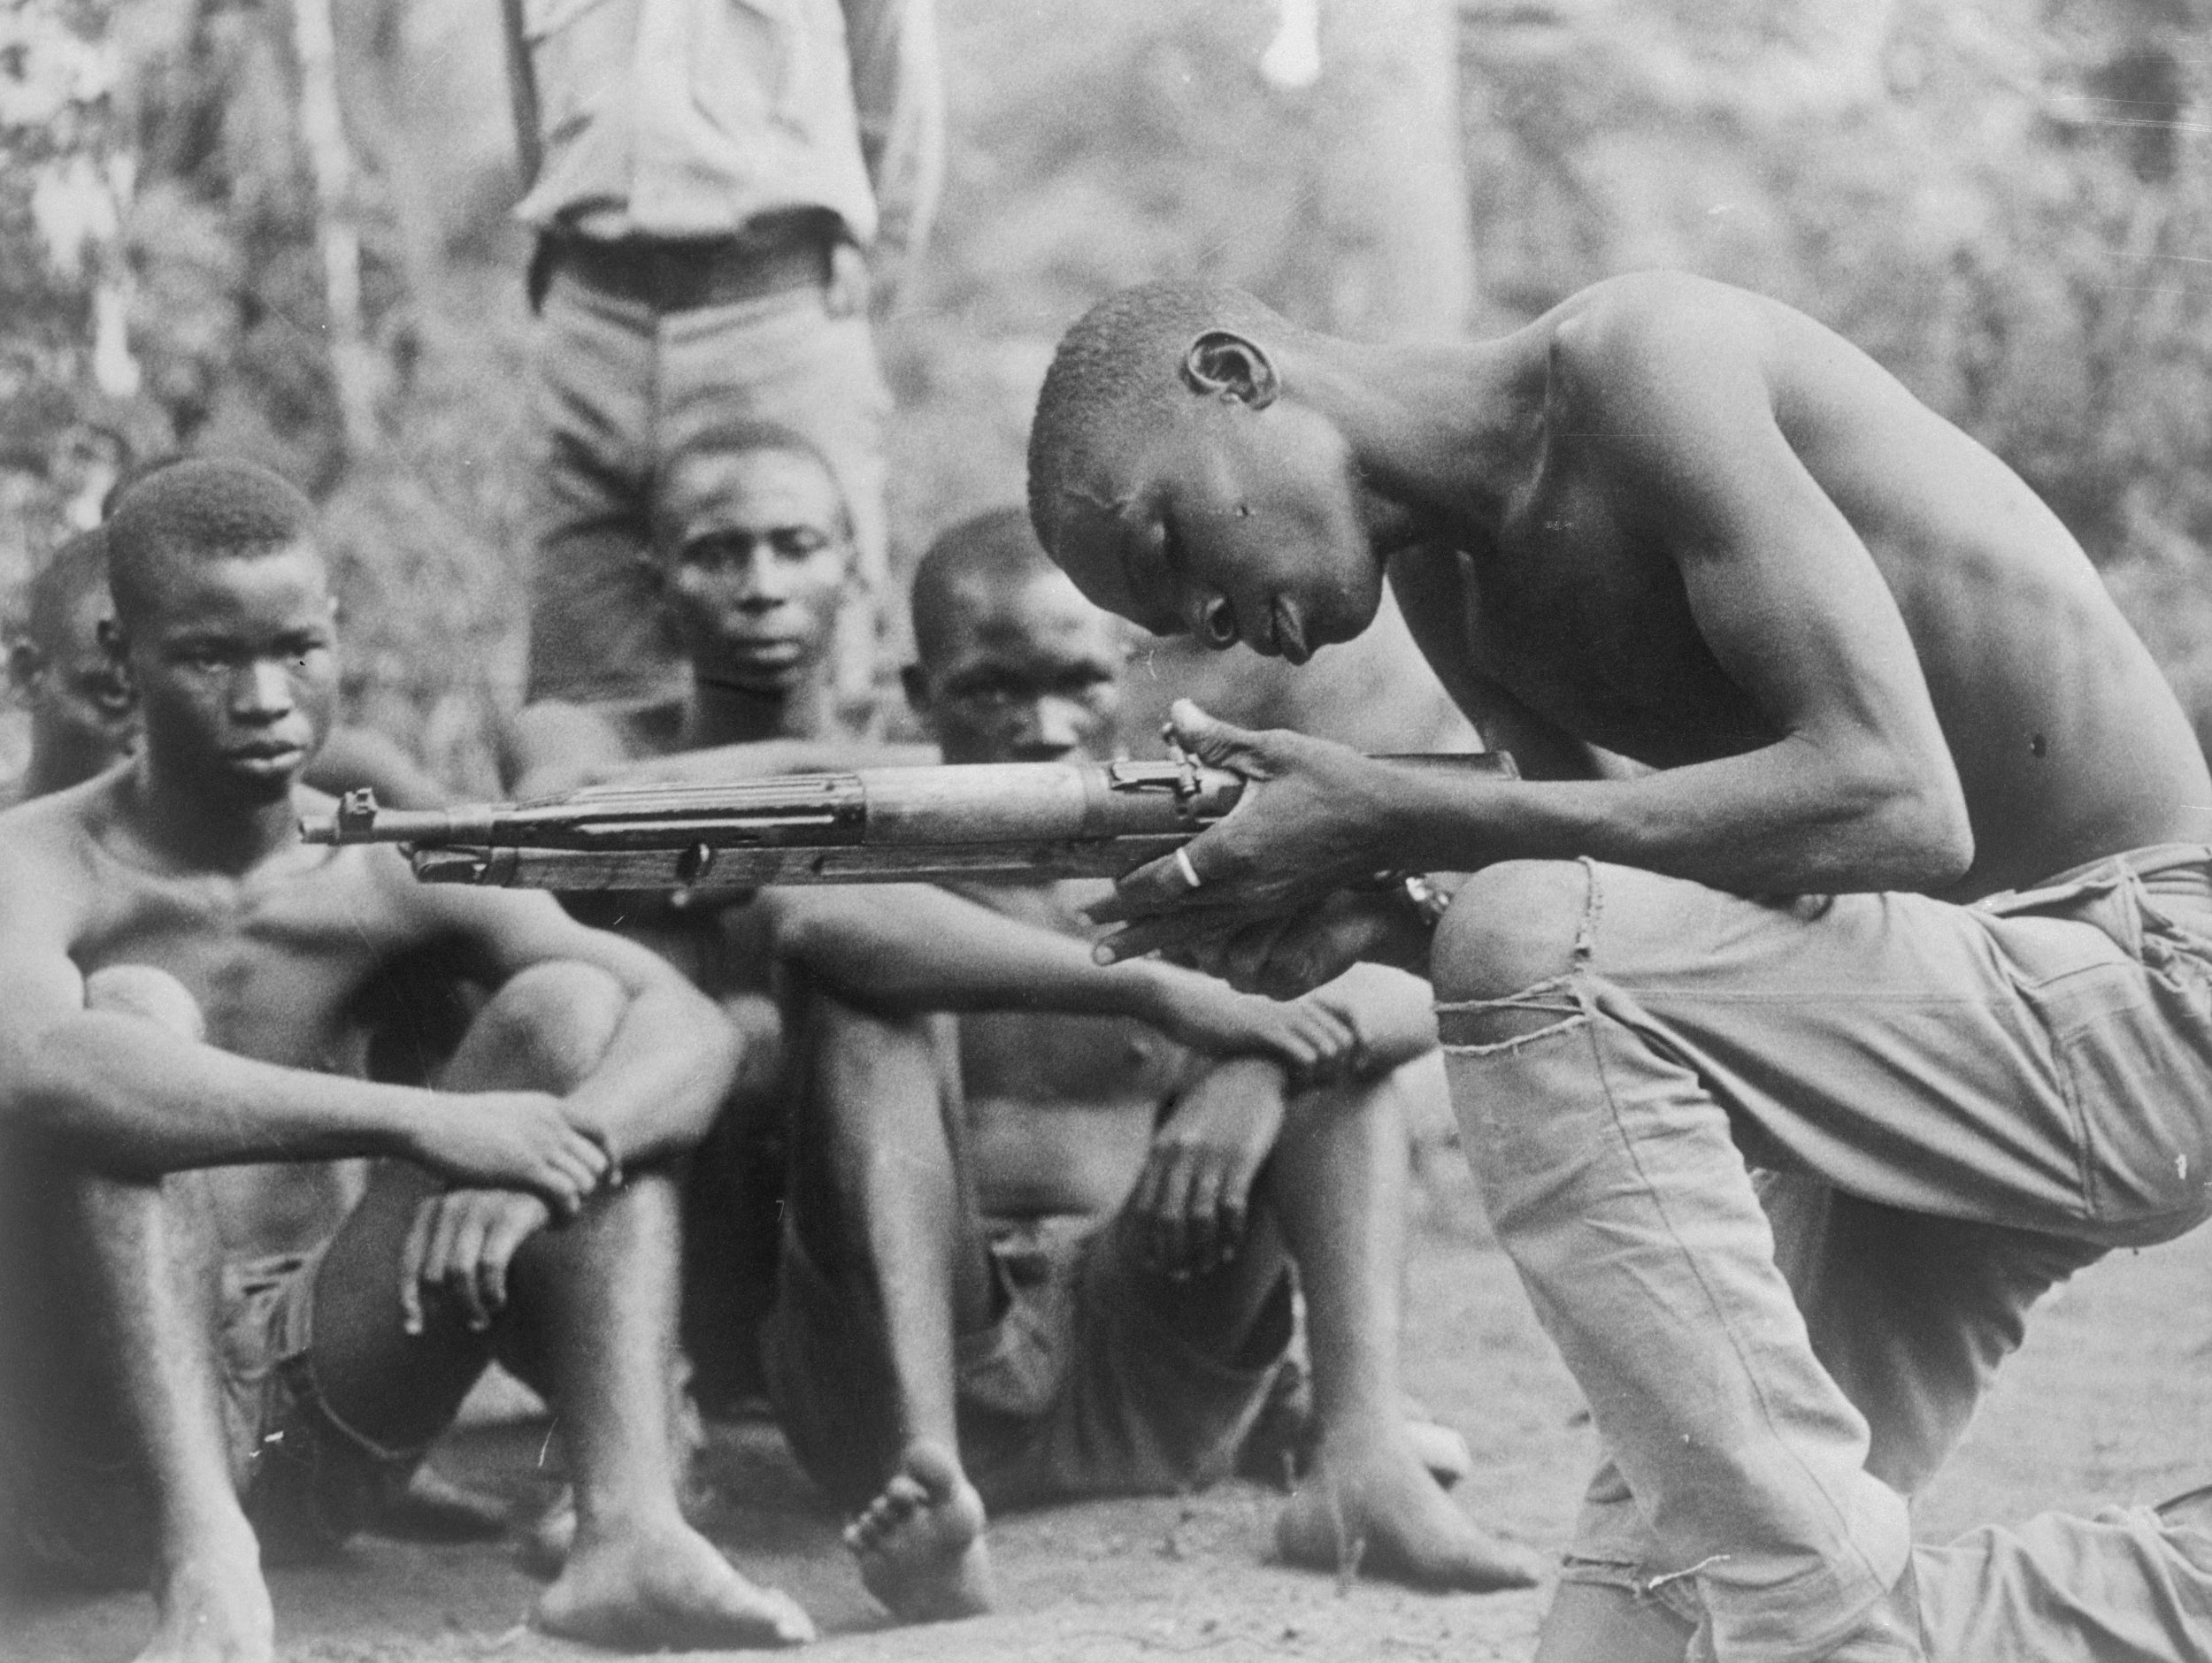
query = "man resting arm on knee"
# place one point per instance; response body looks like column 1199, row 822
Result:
column 1047, row 1253
column 180, row 979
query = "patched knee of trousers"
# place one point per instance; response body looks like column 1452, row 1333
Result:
column 1482, row 1027
column 1509, row 952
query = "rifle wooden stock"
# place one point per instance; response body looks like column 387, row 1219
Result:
column 1007, row 822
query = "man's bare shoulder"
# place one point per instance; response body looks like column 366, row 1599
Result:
column 49, row 851
column 1671, row 322
column 57, row 828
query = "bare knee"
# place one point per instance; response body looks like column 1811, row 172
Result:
column 545, row 1030
column 1512, row 926
column 142, row 991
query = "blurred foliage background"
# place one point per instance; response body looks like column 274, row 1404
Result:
column 278, row 228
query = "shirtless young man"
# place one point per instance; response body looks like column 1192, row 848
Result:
column 1052, row 1258
column 754, row 555
column 179, row 979
column 1859, row 840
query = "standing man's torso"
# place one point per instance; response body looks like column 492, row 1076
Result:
column 688, row 118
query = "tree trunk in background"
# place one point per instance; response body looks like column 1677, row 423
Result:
column 1394, row 248
column 1389, row 255
column 71, row 407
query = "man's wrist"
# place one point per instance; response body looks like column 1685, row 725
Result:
column 1144, row 988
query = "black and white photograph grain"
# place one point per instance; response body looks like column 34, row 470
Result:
column 1106, row 831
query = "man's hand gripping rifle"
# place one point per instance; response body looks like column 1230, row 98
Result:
column 1011, row 822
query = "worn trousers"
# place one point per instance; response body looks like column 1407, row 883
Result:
column 1783, row 1179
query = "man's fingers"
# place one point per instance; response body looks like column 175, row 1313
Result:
column 1158, row 887
column 591, row 1149
column 462, row 1266
column 1202, row 1219
column 412, row 1259
column 438, row 1259
column 1217, row 743
column 1196, row 933
column 1171, row 1223
column 1144, row 1200
column 500, row 1243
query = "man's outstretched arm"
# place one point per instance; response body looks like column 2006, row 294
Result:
column 907, row 948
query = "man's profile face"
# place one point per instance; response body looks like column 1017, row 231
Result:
column 82, row 715
column 758, row 568
column 1228, row 523
column 236, row 671
column 1033, row 676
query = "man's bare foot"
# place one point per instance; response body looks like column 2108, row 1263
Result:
column 1378, row 1510
column 664, row 1587
column 213, row 1608
column 920, row 1543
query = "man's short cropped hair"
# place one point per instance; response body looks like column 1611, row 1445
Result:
column 78, row 567
column 199, row 511
column 738, row 435
column 992, row 553
column 1118, row 371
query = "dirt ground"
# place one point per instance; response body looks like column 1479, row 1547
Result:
column 2111, row 1401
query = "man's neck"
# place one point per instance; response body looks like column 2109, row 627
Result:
column 1440, row 434
column 723, row 713
column 186, row 829
column 54, row 768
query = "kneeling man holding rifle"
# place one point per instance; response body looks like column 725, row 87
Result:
column 1837, row 980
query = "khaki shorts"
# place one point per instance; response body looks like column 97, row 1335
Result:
column 73, row 1512
column 1077, row 1390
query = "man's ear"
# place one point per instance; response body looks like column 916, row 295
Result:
column 1221, row 362
column 25, row 664
column 915, row 680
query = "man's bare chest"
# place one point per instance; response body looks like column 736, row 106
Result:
column 277, row 967
column 1587, row 622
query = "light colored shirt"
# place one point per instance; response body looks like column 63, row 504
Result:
column 693, row 118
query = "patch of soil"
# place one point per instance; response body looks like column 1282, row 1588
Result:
column 2111, row 1401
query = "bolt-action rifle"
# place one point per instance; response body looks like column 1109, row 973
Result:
column 1005, row 822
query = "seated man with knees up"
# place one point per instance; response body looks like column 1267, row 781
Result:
column 178, row 987
column 1050, row 1256
column 755, row 556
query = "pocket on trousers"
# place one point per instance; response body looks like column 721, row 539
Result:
column 2135, row 1057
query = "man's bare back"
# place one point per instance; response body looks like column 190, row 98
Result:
column 2067, row 742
